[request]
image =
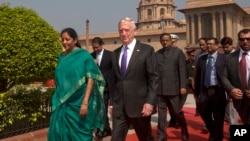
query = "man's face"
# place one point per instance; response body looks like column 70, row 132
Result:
column 227, row 48
column 166, row 41
column 126, row 32
column 203, row 45
column 211, row 46
column 244, row 41
column 97, row 48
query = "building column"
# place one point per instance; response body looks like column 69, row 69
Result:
column 214, row 24
column 221, row 25
column 155, row 13
column 187, row 29
column 192, row 29
column 229, row 24
column 199, row 26
column 234, row 32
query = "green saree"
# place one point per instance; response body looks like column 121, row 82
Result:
column 71, row 75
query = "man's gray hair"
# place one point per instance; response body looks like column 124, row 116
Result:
column 128, row 19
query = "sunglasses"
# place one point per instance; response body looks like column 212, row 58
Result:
column 243, row 39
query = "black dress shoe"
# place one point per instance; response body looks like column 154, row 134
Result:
column 184, row 134
column 101, row 134
column 161, row 140
column 210, row 138
column 175, row 125
column 204, row 130
column 106, row 133
column 185, row 137
column 197, row 114
column 171, row 125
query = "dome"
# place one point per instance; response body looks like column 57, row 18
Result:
column 182, row 21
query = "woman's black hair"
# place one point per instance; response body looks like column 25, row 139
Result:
column 72, row 33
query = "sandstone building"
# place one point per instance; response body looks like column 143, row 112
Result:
column 211, row 18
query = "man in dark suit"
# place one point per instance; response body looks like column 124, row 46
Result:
column 203, row 50
column 171, row 65
column 210, row 90
column 236, row 76
column 133, row 94
column 103, row 60
column 231, row 114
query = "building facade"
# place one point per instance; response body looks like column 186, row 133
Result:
column 211, row 18
column 214, row 18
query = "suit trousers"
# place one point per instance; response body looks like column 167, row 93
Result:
column 183, row 98
column 106, row 102
column 212, row 111
column 244, row 110
column 176, row 105
column 141, row 125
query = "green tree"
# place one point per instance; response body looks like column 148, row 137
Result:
column 29, row 47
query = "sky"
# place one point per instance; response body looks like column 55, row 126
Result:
column 103, row 15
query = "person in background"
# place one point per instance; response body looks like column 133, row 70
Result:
column 134, row 85
column 77, row 103
column 231, row 115
column 103, row 60
column 173, row 122
column 236, row 76
column 171, row 65
column 209, row 88
column 190, row 54
column 203, row 50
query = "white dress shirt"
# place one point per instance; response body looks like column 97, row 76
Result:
column 130, row 50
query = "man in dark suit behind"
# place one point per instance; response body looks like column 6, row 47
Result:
column 103, row 59
column 133, row 94
column 210, row 90
column 171, row 65
column 233, row 76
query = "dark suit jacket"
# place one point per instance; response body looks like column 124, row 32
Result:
column 105, row 66
column 231, row 76
column 171, row 65
column 138, row 86
column 200, row 89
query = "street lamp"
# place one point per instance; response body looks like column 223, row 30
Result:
column 87, row 35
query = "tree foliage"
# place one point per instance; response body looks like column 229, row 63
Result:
column 28, row 47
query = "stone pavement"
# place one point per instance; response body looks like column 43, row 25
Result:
column 41, row 135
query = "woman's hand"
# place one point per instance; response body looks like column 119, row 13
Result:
column 83, row 110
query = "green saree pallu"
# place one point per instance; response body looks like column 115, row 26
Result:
column 72, row 73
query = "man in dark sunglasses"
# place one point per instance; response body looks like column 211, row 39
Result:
column 236, row 76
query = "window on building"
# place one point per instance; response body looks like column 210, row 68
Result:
column 115, row 42
column 149, row 40
column 162, row 12
column 149, row 14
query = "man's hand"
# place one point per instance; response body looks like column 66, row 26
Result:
column 183, row 91
column 236, row 93
column 147, row 110
column 248, row 93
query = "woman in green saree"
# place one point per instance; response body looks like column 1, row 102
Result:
column 77, row 103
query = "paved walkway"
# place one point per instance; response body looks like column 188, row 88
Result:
column 40, row 135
